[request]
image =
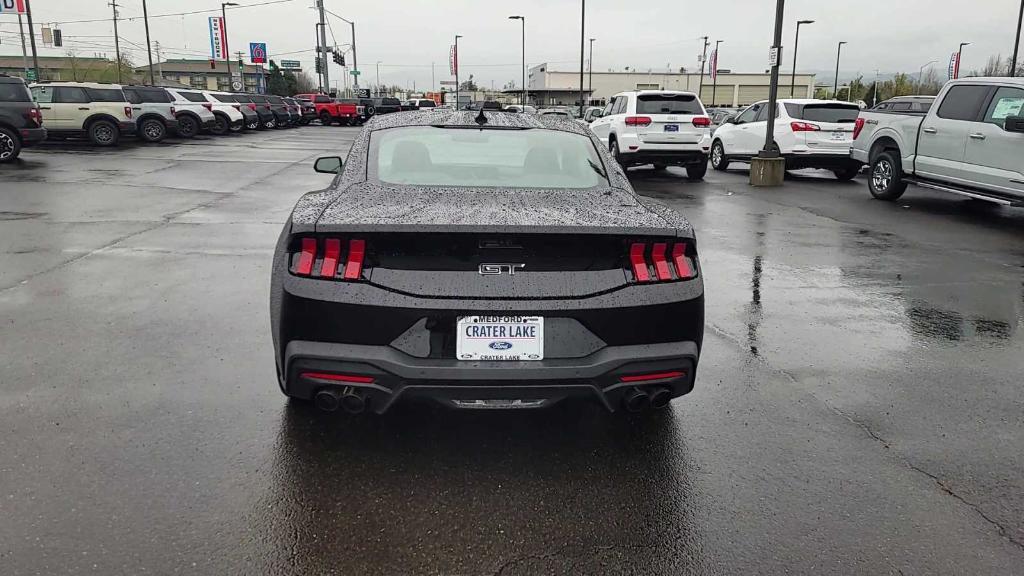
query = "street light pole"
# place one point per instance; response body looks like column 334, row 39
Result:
column 768, row 168
column 224, row 28
column 835, row 89
column 149, row 49
column 523, row 19
column 378, row 77
column 714, row 74
column 32, row 39
column 583, row 25
column 590, row 69
column 796, row 45
column 959, row 57
column 1016, row 42
column 455, row 61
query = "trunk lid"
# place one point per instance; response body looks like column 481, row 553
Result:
column 824, row 126
column 671, row 118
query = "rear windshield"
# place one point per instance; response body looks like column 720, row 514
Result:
column 14, row 92
column 390, row 102
column 259, row 99
column 193, row 96
column 226, row 98
column 837, row 113
column 275, row 99
column 668, row 104
column 536, row 158
column 105, row 94
column 323, row 99
column 426, row 103
column 147, row 95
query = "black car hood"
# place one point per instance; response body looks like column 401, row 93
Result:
column 387, row 208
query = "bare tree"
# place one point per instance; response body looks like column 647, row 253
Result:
column 304, row 83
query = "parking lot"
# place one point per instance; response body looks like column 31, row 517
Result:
column 858, row 406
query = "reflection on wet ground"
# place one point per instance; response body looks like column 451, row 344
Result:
column 404, row 492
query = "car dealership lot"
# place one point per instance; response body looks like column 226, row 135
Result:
column 857, row 407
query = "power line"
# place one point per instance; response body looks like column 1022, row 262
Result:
column 208, row 11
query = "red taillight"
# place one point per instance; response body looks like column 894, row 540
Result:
column 306, row 257
column 638, row 121
column 354, row 264
column 267, row 106
column 252, row 106
column 857, row 127
column 652, row 376
column 128, row 112
column 333, row 266
column 36, row 115
column 804, row 127
column 173, row 110
column 208, row 105
column 702, row 121
column 352, row 378
column 639, row 263
column 679, row 267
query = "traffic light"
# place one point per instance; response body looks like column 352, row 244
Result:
column 319, row 65
column 339, row 58
column 58, row 38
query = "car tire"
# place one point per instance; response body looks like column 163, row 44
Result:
column 220, row 125
column 270, row 124
column 325, row 118
column 697, row 171
column 152, row 130
column 10, row 145
column 886, row 178
column 370, row 111
column 613, row 147
column 847, row 174
column 103, row 133
column 719, row 161
column 188, row 127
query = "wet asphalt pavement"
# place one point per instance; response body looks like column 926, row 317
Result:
column 859, row 407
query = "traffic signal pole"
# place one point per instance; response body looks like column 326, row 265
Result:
column 32, row 39
column 323, row 44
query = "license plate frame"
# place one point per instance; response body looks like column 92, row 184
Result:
column 839, row 135
column 671, row 127
column 499, row 338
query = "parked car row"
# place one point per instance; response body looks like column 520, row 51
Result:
column 104, row 113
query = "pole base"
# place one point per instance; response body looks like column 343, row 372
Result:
column 767, row 171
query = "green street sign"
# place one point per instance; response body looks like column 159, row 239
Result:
column 354, row 72
column 30, row 74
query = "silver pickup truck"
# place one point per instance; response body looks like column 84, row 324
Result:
column 971, row 142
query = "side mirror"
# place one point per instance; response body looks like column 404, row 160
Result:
column 732, row 120
column 1014, row 124
column 328, row 165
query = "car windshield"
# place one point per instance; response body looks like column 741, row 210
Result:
column 14, row 92
column 668, row 104
column 535, row 158
column 226, row 98
column 835, row 113
column 193, row 96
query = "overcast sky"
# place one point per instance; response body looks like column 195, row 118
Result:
column 890, row 35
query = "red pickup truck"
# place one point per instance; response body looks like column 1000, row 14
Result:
column 329, row 110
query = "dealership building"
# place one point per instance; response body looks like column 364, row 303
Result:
column 549, row 87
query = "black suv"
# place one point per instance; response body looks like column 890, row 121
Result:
column 21, row 123
column 387, row 105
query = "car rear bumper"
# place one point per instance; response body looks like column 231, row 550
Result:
column 819, row 159
column 31, row 136
column 635, row 151
column 859, row 155
column 383, row 376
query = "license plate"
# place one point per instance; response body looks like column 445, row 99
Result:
column 840, row 135
column 671, row 127
column 500, row 338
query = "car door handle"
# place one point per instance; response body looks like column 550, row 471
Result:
column 44, row 107
column 83, row 108
column 929, row 130
column 977, row 136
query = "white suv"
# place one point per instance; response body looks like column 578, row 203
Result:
column 98, row 111
column 659, row 127
column 193, row 117
column 809, row 134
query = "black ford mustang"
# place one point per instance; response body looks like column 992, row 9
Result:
column 485, row 260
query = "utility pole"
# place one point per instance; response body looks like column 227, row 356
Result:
column 323, row 45
column 32, row 39
column 523, row 19
column 159, row 61
column 455, row 61
column 583, row 26
column 703, row 59
column 433, row 85
column 224, row 30
column 1016, row 42
column 796, row 45
column 24, row 52
column 320, row 72
column 149, row 51
column 117, row 44
column 714, row 73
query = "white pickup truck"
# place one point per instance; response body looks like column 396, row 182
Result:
column 971, row 142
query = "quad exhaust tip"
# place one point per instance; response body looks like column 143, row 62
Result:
column 349, row 399
column 327, row 400
column 660, row 397
column 636, row 400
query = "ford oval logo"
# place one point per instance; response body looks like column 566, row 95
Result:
column 500, row 345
